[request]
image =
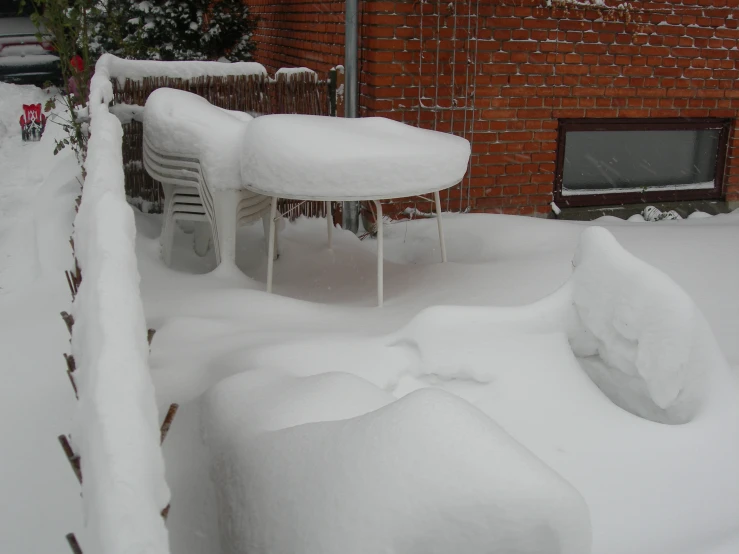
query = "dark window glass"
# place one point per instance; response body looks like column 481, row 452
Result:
column 620, row 161
column 606, row 161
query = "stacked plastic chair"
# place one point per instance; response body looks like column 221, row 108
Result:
column 201, row 182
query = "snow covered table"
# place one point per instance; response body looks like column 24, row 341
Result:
column 304, row 157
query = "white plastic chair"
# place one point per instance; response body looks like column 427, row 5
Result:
column 187, row 197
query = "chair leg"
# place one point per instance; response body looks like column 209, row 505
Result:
column 201, row 238
column 437, row 198
column 330, row 223
column 271, row 243
column 380, row 257
column 166, row 238
column 168, row 191
column 226, row 206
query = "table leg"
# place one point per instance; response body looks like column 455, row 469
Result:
column 271, row 243
column 330, row 222
column 437, row 198
column 380, row 257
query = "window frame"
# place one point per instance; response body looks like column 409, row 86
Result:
column 641, row 124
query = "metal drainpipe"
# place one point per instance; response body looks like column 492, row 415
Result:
column 351, row 41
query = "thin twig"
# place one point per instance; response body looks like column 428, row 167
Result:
column 74, row 385
column 168, row 421
column 70, row 283
column 71, row 366
column 74, row 459
column 69, row 320
column 150, row 335
column 73, row 544
column 77, row 274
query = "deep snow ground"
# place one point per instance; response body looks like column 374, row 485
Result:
column 37, row 191
column 211, row 325
column 214, row 325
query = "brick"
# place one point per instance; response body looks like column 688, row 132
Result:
column 537, row 65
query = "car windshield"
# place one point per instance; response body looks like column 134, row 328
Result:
column 11, row 8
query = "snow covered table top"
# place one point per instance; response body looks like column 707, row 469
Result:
column 308, row 157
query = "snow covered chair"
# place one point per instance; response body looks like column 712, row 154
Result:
column 191, row 147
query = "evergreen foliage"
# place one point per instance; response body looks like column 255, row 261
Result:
column 173, row 30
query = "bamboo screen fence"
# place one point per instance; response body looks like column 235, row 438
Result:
column 295, row 93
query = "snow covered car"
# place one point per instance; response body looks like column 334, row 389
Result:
column 24, row 59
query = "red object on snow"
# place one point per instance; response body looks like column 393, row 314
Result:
column 33, row 122
column 77, row 63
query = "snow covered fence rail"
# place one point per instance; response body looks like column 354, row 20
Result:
column 117, row 435
column 243, row 86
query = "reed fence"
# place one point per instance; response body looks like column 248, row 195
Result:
column 295, row 93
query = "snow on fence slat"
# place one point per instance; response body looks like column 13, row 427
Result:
column 136, row 70
column 117, row 433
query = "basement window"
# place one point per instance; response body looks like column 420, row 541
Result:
column 617, row 161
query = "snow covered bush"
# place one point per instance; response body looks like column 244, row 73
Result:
column 171, row 30
column 331, row 464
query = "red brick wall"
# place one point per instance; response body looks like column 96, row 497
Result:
column 295, row 33
column 502, row 72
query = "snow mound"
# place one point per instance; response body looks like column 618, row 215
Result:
column 136, row 70
column 428, row 473
column 636, row 333
column 641, row 325
column 180, row 122
column 277, row 401
column 333, row 157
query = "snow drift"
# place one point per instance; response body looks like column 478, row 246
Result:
column 348, row 470
column 637, row 334
column 643, row 329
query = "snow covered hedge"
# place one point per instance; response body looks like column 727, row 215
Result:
column 117, row 429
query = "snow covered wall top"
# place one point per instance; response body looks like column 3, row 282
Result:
column 117, row 428
column 136, row 70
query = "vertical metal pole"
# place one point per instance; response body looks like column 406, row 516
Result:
column 437, row 199
column 271, row 247
column 380, row 256
column 351, row 78
column 330, row 223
